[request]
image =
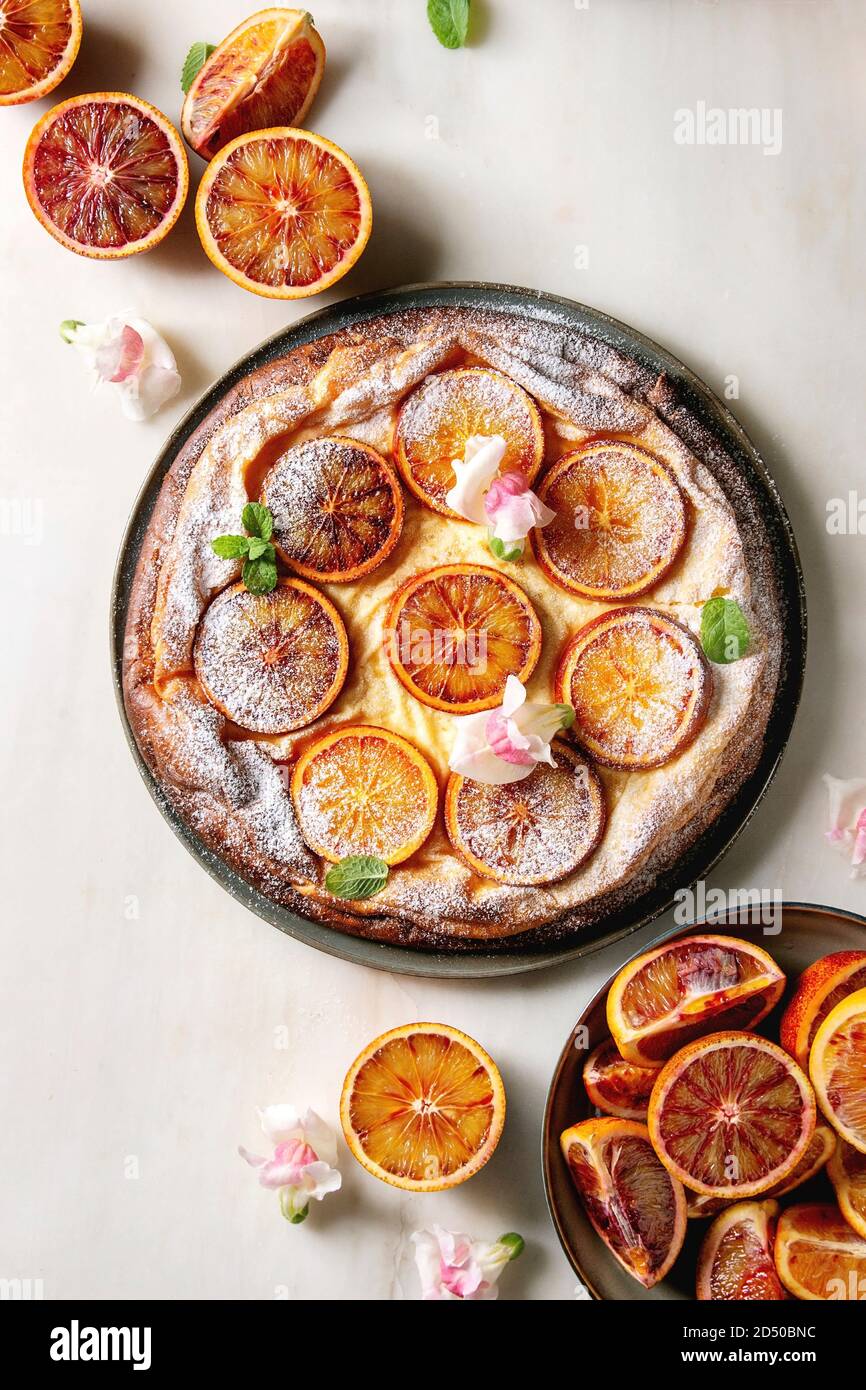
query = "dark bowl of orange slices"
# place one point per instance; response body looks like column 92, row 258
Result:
column 618, row 575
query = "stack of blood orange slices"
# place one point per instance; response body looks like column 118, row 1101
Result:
column 728, row 1117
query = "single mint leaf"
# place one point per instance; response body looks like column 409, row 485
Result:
column 230, row 547
column 357, row 876
column 260, row 576
column 194, row 62
column 259, row 548
column 724, row 631
column 257, row 519
column 69, row 328
column 505, row 550
column 449, row 20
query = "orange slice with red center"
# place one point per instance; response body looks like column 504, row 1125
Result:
column 337, row 508
column 264, row 74
column 454, row 634
column 731, row 1115
column 821, row 1147
column 364, row 790
column 847, row 1172
column 687, row 988
column 106, row 174
column 640, row 687
column 635, row 1205
column 620, row 521
column 423, row 1107
column 818, row 1256
column 537, row 830
column 616, row 1086
column 39, row 42
column 736, row 1259
column 272, row 662
column 822, row 985
column 837, row 1066
column 448, row 409
column 283, row 212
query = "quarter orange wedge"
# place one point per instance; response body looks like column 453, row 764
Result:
column 736, row 1258
column 837, row 1066
column 822, row 985
column 818, row 1256
column 847, row 1172
column 616, row 1086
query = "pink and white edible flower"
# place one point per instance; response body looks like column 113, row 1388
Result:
column 503, row 745
column 127, row 353
column 303, row 1167
column 506, row 504
column 847, row 831
column 454, row 1266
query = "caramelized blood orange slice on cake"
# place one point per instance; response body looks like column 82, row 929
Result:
column 454, row 634
column 272, row 662
column 687, row 988
column 537, row 830
column 640, row 687
column 847, row 1172
column 620, row 521
column 39, row 42
column 337, row 508
column 106, row 174
column 616, row 1086
column 423, row 1107
column 731, row 1115
column 283, row 212
column 818, row 1255
column 364, row 790
column 450, row 408
column 264, row 74
column 837, row 1066
column 636, row 1206
column 736, row 1259
column 822, row 985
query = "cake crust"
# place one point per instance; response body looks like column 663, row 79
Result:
column 233, row 791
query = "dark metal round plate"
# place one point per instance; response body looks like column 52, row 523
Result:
column 709, row 848
column 807, row 932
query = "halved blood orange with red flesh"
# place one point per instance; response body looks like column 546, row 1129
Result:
column 106, row 174
column 640, row 687
column 837, row 1066
column 847, row 1172
column 337, row 508
column 537, row 830
column 450, row 408
column 454, row 634
column 283, row 212
column 822, row 985
column 271, row 662
column 423, row 1107
column 736, row 1259
column 687, row 988
column 364, row 790
column 818, row 1256
column 264, row 74
column 620, row 521
column 636, row 1206
column 731, row 1115
column 616, row 1086
column 39, row 42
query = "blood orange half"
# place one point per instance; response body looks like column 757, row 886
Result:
column 39, row 42
column 106, row 174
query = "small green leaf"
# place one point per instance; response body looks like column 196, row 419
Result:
column 357, row 876
column 449, row 20
column 724, row 631
column 259, row 548
column 230, row 547
column 194, row 62
column 260, row 576
column 515, row 1243
column 257, row 519
column 69, row 327
column 504, row 550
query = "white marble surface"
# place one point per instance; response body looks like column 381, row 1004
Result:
column 155, row 1035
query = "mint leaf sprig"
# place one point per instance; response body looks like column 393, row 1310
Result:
column 260, row 557
column 194, row 62
column 724, row 631
column 449, row 20
column 357, row 876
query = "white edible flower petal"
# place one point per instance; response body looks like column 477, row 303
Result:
column 126, row 353
column 474, row 473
